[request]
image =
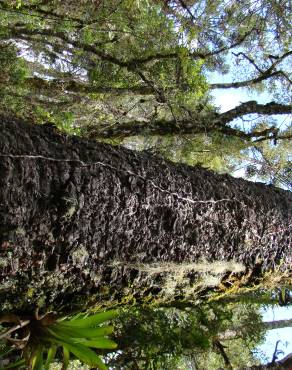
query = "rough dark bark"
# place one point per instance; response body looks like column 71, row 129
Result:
column 85, row 221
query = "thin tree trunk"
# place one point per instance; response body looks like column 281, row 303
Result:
column 277, row 324
column 82, row 221
column 285, row 363
column 236, row 332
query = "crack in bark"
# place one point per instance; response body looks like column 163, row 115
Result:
column 188, row 200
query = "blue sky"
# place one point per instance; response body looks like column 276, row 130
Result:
column 285, row 335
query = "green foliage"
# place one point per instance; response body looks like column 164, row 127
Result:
column 159, row 337
column 110, row 34
column 76, row 335
column 168, row 338
column 271, row 162
column 99, row 68
column 14, row 70
column 216, row 152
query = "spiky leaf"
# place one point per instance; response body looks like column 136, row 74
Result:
column 99, row 343
column 91, row 321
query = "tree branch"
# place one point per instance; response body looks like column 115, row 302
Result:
column 221, row 349
column 134, row 62
column 198, row 123
column 18, row 32
column 252, row 107
column 75, row 86
column 253, row 81
column 251, row 61
column 264, row 74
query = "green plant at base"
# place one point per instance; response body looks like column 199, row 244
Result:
column 39, row 338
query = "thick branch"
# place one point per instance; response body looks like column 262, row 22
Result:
column 263, row 74
column 253, row 81
column 277, row 324
column 131, row 63
column 41, row 13
column 213, row 122
column 237, row 332
column 55, row 85
column 252, row 107
column 285, row 363
column 18, row 32
column 221, row 349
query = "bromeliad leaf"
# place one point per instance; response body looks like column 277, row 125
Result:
column 91, row 321
column 45, row 336
column 50, row 356
column 77, row 332
column 85, row 354
column 99, row 343
column 66, row 358
column 37, row 359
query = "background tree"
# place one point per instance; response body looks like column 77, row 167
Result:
column 168, row 338
column 114, row 69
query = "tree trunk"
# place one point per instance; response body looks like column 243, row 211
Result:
column 285, row 363
column 277, row 324
column 82, row 221
column 238, row 331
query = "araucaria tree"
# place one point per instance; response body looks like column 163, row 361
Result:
column 82, row 219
